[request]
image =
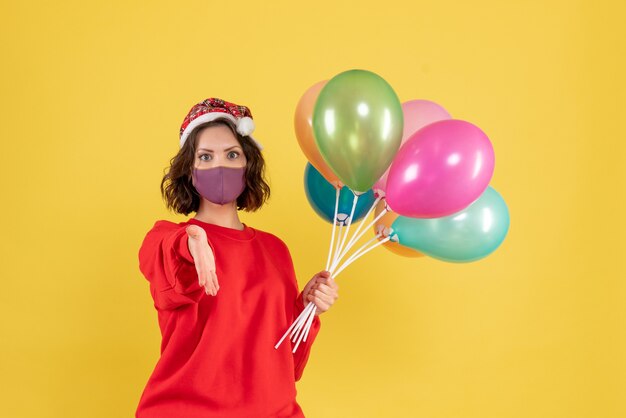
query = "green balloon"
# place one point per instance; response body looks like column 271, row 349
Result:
column 358, row 123
column 467, row 235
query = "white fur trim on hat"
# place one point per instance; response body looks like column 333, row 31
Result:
column 244, row 125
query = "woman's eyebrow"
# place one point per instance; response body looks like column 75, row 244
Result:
column 226, row 149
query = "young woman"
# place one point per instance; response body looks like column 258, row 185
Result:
column 224, row 292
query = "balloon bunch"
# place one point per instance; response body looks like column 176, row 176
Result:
column 425, row 175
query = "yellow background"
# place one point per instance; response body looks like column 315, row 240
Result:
column 93, row 94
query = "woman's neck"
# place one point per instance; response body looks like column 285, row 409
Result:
column 222, row 215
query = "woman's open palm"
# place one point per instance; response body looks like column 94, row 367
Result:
column 203, row 257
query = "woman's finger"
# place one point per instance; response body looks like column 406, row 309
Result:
column 325, row 289
column 331, row 282
column 321, row 304
column 205, row 279
column 329, row 291
column 215, row 282
column 201, row 277
column 209, row 284
column 327, row 299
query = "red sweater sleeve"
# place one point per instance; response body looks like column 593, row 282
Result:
column 301, row 356
column 165, row 261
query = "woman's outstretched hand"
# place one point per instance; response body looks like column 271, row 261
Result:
column 321, row 290
column 203, row 258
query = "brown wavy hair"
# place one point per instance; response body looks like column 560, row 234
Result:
column 177, row 188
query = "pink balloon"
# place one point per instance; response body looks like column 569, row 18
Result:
column 417, row 114
column 440, row 170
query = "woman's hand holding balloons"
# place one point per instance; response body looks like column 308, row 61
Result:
column 425, row 175
column 321, row 290
column 204, row 258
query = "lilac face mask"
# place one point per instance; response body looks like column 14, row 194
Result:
column 219, row 184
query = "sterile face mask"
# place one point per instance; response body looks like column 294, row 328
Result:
column 220, row 185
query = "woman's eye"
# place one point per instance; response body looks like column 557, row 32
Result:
column 233, row 154
column 208, row 157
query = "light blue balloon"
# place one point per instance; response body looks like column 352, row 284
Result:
column 322, row 196
column 468, row 235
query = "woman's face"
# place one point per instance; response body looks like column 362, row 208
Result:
column 217, row 146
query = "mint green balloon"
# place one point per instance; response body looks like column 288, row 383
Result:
column 357, row 125
column 468, row 235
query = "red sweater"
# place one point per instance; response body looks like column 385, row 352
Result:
column 217, row 352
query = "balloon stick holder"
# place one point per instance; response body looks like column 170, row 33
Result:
column 299, row 329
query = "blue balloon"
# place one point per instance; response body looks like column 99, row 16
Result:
column 322, row 195
column 467, row 235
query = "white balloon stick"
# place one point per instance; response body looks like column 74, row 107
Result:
column 355, row 236
column 300, row 323
column 354, row 257
column 302, row 315
column 343, row 239
column 380, row 215
column 332, row 237
column 307, row 327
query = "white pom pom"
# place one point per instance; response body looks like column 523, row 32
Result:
column 245, row 126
